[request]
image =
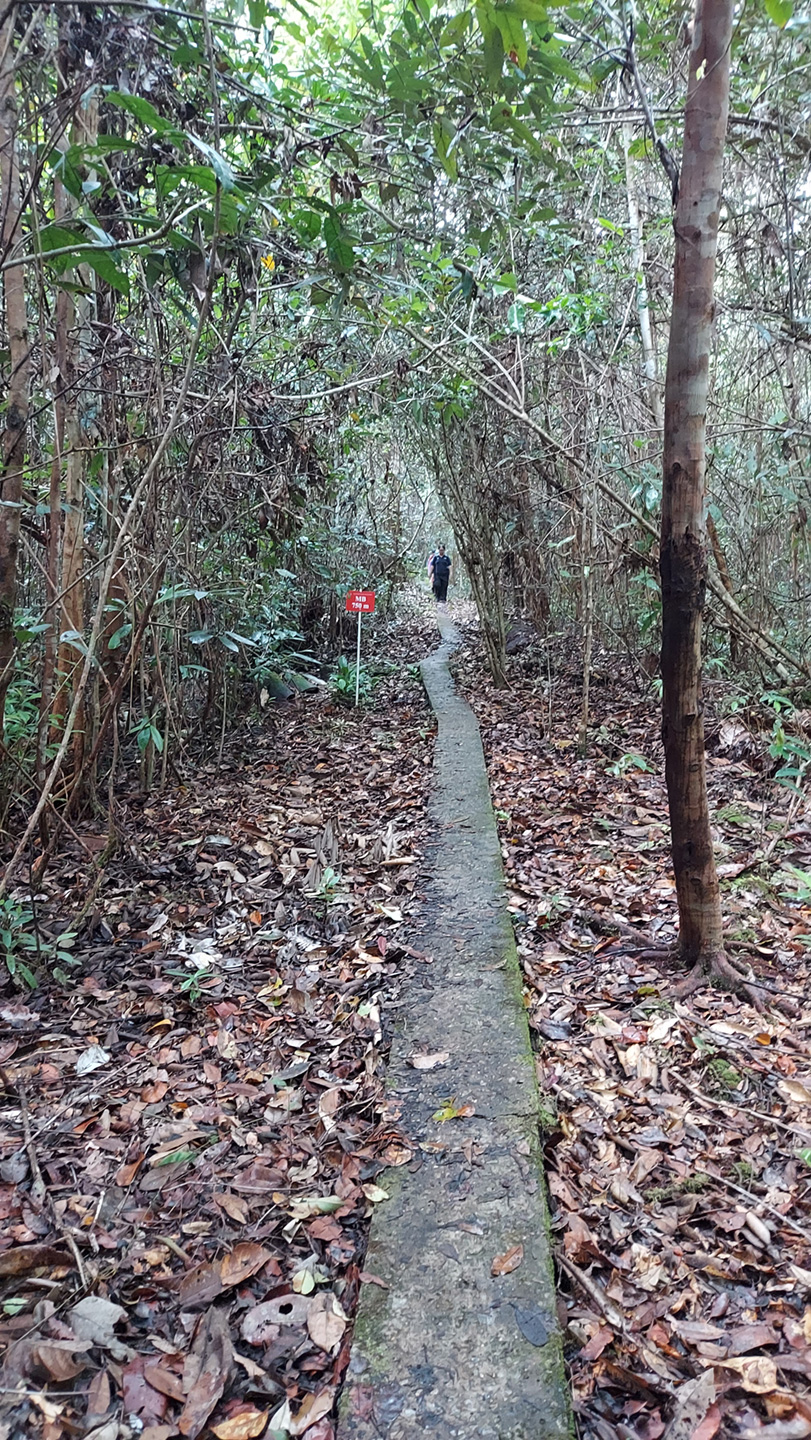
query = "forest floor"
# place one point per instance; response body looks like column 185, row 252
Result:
column 200, row 1117
column 678, row 1133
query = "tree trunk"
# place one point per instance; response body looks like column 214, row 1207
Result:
column 683, row 542
column 78, row 344
column 16, row 324
column 650, row 367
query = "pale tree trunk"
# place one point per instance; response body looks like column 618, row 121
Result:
column 683, row 540
column 19, row 352
column 588, row 522
column 78, row 342
column 650, row 367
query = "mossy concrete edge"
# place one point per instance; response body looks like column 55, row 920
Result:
column 447, row 1349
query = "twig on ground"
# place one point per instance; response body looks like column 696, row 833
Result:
column 595, row 1292
column 39, row 1189
column 731, row 1105
column 757, row 1200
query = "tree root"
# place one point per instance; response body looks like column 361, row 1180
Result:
column 719, row 970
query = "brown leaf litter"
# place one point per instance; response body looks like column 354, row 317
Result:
column 678, row 1134
column 189, row 1134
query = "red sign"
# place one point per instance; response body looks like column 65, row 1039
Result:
column 361, row 602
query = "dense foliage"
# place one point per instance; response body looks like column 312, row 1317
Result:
column 277, row 278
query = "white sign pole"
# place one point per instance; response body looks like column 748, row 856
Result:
column 357, row 663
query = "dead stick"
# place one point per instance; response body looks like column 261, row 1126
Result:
column 758, row 1200
column 595, row 1292
column 731, row 1105
column 40, row 1189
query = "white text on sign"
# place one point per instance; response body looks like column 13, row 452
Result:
column 360, row 602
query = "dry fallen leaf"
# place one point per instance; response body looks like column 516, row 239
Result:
column 314, row 1408
column 92, row 1059
column 234, row 1206
column 206, row 1371
column 758, row 1373
column 245, row 1425
column 326, row 1322
column 795, row 1090
column 242, row 1262
column 430, row 1062
column 509, row 1261
column 261, row 1323
column 375, row 1193
column 62, row 1359
column 30, row 1257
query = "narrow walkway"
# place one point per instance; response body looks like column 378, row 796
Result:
column 449, row 1350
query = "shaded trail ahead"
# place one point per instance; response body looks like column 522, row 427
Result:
column 449, row 1349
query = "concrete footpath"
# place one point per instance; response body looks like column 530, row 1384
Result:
column 449, row 1349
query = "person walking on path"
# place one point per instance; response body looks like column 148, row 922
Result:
column 440, row 573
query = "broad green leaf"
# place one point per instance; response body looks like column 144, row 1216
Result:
column 515, row 318
column 443, row 136
column 102, row 237
column 493, row 44
column 512, row 34
column 529, row 10
column 105, row 267
column 142, row 111
column 57, row 237
column 307, row 224
column 339, row 247
column 118, row 636
column 780, row 11
column 221, row 168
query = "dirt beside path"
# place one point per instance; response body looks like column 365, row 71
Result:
column 457, row 1331
column 190, row 1127
column 678, row 1133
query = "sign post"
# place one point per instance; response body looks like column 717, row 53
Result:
column 360, row 603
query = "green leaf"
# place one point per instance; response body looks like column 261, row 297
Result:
column 57, row 237
column 74, row 638
column 443, row 135
column 221, row 168
column 106, row 269
column 339, row 247
column 116, row 638
column 780, row 11
column 515, row 318
column 307, row 224
column 143, row 111
column 529, row 10
column 493, row 44
column 512, row 34
column 175, row 1157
